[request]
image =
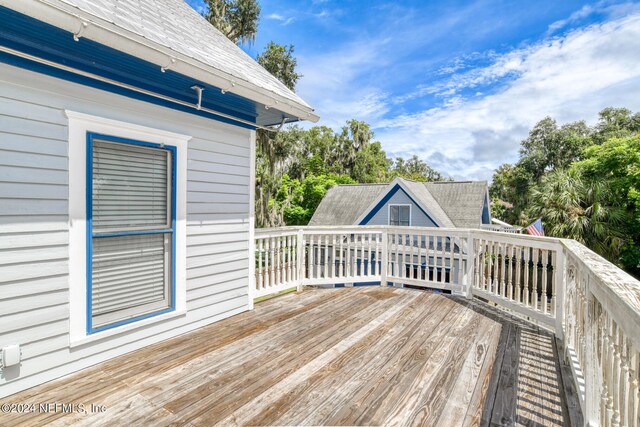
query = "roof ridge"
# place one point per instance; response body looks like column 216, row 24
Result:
column 361, row 184
column 456, row 182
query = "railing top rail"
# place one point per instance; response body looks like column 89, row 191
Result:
column 534, row 241
column 617, row 291
column 541, row 242
column 276, row 232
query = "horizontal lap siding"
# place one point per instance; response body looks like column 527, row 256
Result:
column 34, row 237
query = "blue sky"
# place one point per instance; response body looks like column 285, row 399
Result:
column 458, row 83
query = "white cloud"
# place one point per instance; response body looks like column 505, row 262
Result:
column 281, row 18
column 330, row 83
column 568, row 78
column 605, row 7
column 585, row 11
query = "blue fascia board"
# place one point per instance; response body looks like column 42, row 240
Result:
column 39, row 39
column 386, row 199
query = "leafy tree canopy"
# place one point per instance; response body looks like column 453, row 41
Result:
column 584, row 182
column 236, row 19
column 280, row 62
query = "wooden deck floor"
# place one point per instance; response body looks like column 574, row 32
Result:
column 352, row 356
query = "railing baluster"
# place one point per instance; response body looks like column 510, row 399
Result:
column 311, row 257
column 501, row 266
column 545, row 265
column 325, row 267
column 353, row 253
column 260, row 269
column 477, row 250
column 553, row 302
column 332, row 257
column 405, row 255
column 535, row 292
column 366, row 254
column 269, row 255
column 527, row 296
column 443, row 256
column 452, row 261
column 510, row 292
column 278, row 259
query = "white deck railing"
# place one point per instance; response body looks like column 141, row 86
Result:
column 592, row 306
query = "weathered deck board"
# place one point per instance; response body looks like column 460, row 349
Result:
column 352, row 356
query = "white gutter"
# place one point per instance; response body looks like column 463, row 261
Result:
column 82, row 24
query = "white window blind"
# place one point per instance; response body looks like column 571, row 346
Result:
column 131, row 231
column 129, row 186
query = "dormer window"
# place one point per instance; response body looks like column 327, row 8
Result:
column 400, row 215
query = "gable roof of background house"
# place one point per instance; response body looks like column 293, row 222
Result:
column 428, row 202
column 161, row 30
column 462, row 201
column 451, row 204
column 343, row 204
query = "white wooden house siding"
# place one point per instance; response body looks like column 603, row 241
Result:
column 34, row 223
column 418, row 218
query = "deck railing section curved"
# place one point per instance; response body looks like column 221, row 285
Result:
column 592, row 306
column 602, row 336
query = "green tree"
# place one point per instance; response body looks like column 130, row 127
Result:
column 355, row 137
column 280, row 62
column 299, row 199
column 617, row 163
column 548, row 146
column 371, row 164
column 616, row 123
column 236, row 19
column 415, row 169
column 575, row 207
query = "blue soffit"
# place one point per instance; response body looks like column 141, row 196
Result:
column 28, row 35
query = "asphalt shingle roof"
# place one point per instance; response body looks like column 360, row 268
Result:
column 452, row 204
column 462, row 201
column 175, row 25
column 343, row 204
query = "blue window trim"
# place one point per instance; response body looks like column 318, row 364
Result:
column 388, row 197
column 90, row 235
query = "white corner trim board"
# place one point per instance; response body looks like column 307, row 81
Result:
column 79, row 125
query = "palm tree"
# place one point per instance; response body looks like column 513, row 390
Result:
column 576, row 208
column 236, row 19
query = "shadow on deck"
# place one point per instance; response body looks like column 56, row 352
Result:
column 352, row 356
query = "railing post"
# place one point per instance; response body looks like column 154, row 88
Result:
column 252, row 265
column 470, row 273
column 560, row 273
column 300, row 258
column 384, row 258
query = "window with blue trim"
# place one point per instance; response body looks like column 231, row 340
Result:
column 130, row 230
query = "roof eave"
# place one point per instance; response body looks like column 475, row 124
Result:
column 71, row 19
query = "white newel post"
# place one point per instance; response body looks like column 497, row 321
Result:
column 384, row 261
column 300, row 259
column 470, row 273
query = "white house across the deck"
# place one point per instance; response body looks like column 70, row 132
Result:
column 127, row 144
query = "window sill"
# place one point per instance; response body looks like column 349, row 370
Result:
column 98, row 336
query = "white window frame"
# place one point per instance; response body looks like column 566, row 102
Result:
column 79, row 125
column 399, row 205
